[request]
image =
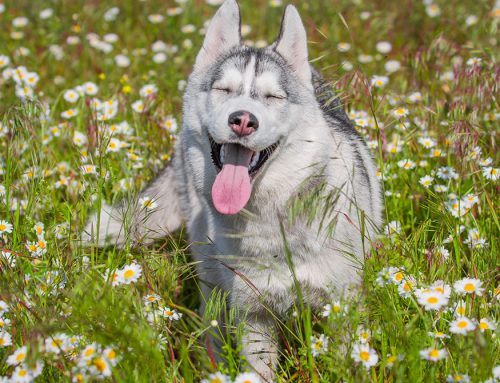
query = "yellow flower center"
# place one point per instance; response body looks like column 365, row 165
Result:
column 100, row 364
column 20, row 357
column 460, row 310
column 434, row 353
column 22, row 372
column 128, row 274
column 364, row 355
column 2, row 227
column 469, row 287
column 111, row 354
column 462, row 324
column 483, row 326
column 89, row 351
column 432, row 300
column 398, row 276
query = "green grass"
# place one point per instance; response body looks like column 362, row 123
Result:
column 64, row 290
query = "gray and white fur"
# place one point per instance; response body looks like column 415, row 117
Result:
column 244, row 253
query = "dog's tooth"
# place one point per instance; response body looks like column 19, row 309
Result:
column 222, row 153
column 255, row 159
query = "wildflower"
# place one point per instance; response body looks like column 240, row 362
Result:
column 130, row 273
column 56, row 343
column 248, row 377
column 431, row 300
column 169, row 123
column 447, row 173
column 148, row 203
column 20, row 22
column 217, row 377
column 100, row 366
column 486, row 324
column 379, row 81
column 159, row 58
column 392, row 66
column 406, row 287
column 406, row 164
column 400, row 112
column 365, row 58
column 438, row 334
column 79, row 139
column 10, row 259
column 5, row 227
column 363, row 334
column 148, row 90
column 383, row 47
column 474, row 239
column 458, row 378
column 343, row 47
column 155, row 19
column 441, row 288
column 169, row 313
column 474, row 61
column 415, row 97
column 90, row 88
column 426, row 181
column 151, row 298
column 71, row 96
column 392, row 228
column 88, row 352
column 18, row 356
column 432, row 354
column 61, row 230
column 122, row 61
column 39, row 229
column 427, row 142
column 364, row 354
column 432, row 10
column 485, row 161
column 5, row 339
column 110, row 355
column 319, row 345
column 4, row 61
column 114, row 145
column 89, row 169
column 138, row 106
column 441, row 252
column 4, row 308
column 491, row 173
column 468, row 286
column 462, row 325
column 21, row 375
column 67, row 114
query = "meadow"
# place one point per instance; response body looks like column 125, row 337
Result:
column 90, row 106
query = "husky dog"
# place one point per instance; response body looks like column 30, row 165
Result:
column 261, row 129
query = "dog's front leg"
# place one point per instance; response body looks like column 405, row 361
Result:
column 259, row 344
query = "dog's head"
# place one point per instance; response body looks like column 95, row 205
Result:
column 248, row 100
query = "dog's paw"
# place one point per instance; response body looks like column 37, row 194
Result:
column 104, row 229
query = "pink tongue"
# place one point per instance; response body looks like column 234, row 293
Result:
column 231, row 189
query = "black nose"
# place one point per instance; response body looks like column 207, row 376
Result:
column 243, row 123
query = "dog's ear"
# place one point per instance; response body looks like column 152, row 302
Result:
column 291, row 44
column 223, row 33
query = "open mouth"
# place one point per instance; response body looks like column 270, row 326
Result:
column 236, row 165
column 258, row 159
